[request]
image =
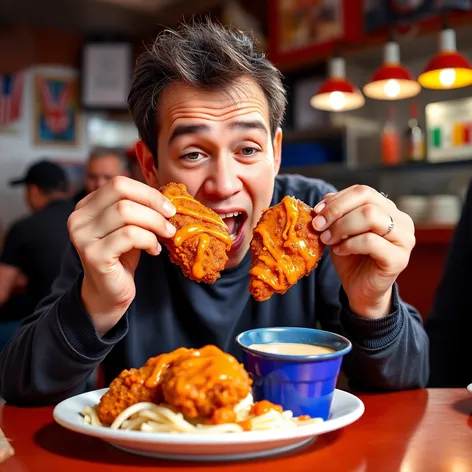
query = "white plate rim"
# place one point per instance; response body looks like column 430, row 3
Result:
column 62, row 411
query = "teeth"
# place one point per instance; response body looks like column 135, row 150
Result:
column 229, row 215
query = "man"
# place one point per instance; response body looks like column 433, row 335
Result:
column 208, row 107
column 450, row 324
column 34, row 245
column 103, row 164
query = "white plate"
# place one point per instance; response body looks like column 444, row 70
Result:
column 345, row 409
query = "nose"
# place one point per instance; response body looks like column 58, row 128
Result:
column 223, row 180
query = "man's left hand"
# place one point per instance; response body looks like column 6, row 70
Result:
column 370, row 241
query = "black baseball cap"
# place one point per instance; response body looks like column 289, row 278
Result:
column 46, row 175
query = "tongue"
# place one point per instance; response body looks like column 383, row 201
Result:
column 230, row 223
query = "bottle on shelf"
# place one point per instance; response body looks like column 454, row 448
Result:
column 414, row 137
column 390, row 140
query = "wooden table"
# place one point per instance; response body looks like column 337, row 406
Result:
column 419, row 430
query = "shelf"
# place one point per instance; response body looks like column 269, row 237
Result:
column 343, row 169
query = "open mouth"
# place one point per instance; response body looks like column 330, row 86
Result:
column 234, row 221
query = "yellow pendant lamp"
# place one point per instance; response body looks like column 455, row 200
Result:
column 448, row 69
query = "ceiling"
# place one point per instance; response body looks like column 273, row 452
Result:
column 104, row 17
column 412, row 47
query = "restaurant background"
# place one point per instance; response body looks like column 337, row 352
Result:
column 68, row 44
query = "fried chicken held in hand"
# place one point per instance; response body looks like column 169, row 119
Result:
column 284, row 248
column 202, row 240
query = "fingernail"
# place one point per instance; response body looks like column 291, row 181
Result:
column 170, row 228
column 336, row 249
column 326, row 236
column 168, row 209
column 320, row 207
column 319, row 222
column 159, row 249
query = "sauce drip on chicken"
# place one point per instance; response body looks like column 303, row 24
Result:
column 284, row 248
column 202, row 240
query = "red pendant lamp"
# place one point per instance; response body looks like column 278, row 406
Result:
column 337, row 93
column 448, row 69
column 391, row 81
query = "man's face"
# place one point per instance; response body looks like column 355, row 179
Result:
column 101, row 170
column 220, row 147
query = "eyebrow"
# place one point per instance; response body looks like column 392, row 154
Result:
column 182, row 130
column 248, row 125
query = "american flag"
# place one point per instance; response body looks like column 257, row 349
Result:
column 11, row 92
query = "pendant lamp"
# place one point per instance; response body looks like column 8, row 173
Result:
column 392, row 81
column 337, row 93
column 448, row 69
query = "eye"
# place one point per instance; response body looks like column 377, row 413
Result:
column 249, row 151
column 191, row 156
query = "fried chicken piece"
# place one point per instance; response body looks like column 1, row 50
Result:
column 202, row 241
column 201, row 382
column 284, row 248
column 136, row 385
column 126, row 390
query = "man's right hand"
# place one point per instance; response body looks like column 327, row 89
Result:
column 109, row 228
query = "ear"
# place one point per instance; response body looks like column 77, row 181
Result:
column 146, row 161
column 277, row 147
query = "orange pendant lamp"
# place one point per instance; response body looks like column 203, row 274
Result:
column 448, row 69
column 337, row 93
column 391, row 81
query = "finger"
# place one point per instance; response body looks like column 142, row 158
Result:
column 327, row 198
column 368, row 217
column 105, row 252
column 125, row 213
column 82, row 202
column 125, row 188
column 348, row 200
column 390, row 258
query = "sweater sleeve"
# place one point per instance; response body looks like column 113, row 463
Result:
column 390, row 353
column 57, row 347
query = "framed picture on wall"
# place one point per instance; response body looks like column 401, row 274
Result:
column 55, row 119
column 305, row 23
column 106, row 75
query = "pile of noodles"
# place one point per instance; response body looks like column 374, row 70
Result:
column 149, row 417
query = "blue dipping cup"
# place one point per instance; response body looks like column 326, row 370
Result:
column 303, row 384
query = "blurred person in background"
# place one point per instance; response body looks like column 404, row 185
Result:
column 34, row 245
column 450, row 324
column 103, row 164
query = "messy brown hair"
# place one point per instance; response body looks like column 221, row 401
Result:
column 204, row 55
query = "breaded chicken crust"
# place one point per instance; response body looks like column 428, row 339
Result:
column 201, row 244
column 126, row 390
column 202, row 381
column 196, row 382
column 284, row 248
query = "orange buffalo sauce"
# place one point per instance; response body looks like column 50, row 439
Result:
column 160, row 364
column 223, row 416
column 259, row 408
column 202, row 231
column 280, row 269
column 197, row 367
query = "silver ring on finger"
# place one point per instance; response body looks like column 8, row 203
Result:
column 391, row 225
